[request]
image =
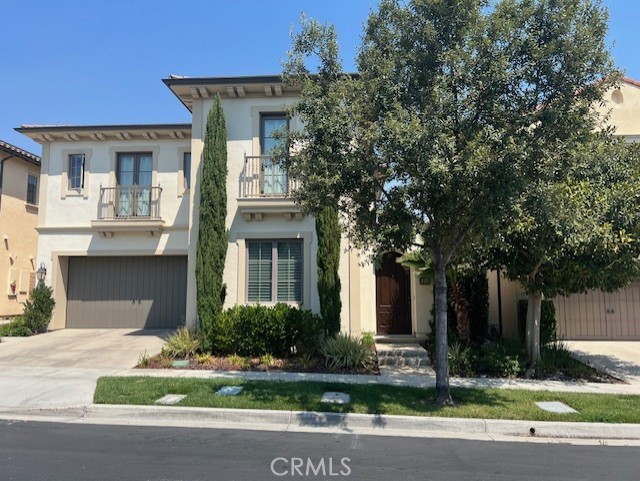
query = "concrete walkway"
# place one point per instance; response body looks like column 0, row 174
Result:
column 60, row 369
column 621, row 359
column 412, row 380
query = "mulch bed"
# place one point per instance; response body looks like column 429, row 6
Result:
column 225, row 363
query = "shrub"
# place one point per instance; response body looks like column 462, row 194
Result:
column 143, row 359
column 344, row 352
column 38, row 309
column 368, row 339
column 329, row 232
column 555, row 358
column 548, row 323
column 257, row 330
column 16, row 328
column 183, row 343
column 461, row 360
column 501, row 359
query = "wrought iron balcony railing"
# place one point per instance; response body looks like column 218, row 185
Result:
column 132, row 202
column 261, row 177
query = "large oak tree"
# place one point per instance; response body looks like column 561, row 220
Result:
column 432, row 140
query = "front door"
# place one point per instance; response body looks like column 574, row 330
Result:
column 134, row 176
column 393, row 297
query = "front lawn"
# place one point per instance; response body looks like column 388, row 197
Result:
column 370, row 399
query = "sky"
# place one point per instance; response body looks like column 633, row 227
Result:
column 101, row 61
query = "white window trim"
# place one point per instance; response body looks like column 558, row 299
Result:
column 66, row 191
column 241, row 242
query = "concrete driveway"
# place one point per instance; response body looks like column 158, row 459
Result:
column 621, row 359
column 60, row 368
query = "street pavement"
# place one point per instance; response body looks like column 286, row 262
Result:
column 48, row 451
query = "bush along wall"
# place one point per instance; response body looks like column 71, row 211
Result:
column 257, row 330
column 212, row 234
column 548, row 323
column 328, row 262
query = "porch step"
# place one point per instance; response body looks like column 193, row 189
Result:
column 399, row 338
column 410, row 355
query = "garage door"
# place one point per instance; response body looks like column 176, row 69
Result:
column 126, row 292
column 600, row 315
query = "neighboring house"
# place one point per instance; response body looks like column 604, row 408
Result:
column 19, row 183
column 594, row 314
column 119, row 225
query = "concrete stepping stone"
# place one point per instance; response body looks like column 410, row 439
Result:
column 229, row 391
column 335, row 398
column 179, row 364
column 170, row 399
column 556, row 407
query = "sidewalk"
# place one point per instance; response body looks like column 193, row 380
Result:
column 393, row 379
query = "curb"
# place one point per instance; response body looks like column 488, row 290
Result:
column 323, row 422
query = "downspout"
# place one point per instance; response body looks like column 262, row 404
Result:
column 2, row 175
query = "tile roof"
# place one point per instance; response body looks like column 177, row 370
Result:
column 17, row 151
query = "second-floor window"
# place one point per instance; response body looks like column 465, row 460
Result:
column 186, row 169
column 32, row 189
column 274, row 177
column 76, row 171
column 134, row 175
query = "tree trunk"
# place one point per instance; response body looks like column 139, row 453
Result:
column 443, row 393
column 461, row 306
column 534, row 309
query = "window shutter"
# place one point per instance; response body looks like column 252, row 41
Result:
column 260, row 272
column 290, row 271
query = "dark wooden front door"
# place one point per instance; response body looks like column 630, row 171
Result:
column 393, row 297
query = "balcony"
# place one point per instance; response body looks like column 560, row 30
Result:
column 128, row 209
column 264, row 189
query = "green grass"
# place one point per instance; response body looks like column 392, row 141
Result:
column 370, row 399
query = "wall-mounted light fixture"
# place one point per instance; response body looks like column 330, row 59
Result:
column 41, row 274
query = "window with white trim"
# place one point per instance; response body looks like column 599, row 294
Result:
column 186, row 169
column 274, row 271
column 76, row 172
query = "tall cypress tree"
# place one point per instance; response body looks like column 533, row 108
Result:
column 328, row 261
column 212, row 234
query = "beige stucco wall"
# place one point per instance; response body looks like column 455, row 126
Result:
column 65, row 217
column 242, row 117
column 623, row 106
column 18, row 237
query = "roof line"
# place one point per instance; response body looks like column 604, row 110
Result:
column 177, row 80
column 631, row 81
column 17, row 151
column 62, row 128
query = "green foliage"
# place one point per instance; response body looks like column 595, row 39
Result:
column 239, row 362
column 556, row 359
column 143, row 359
column 475, row 286
column 18, row 327
column 368, row 339
column 184, row 343
column 267, row 360
column 345, row 353
column 258, row 330
column 455, row 111
column 38, row 309
column 501, row 359
column 548, row 323
column 212, row 234
column 328, row 259
column 461, row 360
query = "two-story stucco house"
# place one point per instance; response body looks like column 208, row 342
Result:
column 118, row 226
column 19, row 179
column 118, row 223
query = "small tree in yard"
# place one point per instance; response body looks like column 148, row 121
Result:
column 328, row 260
column 576, row 233
column 432, row 140
column 38, row 309
column 212, row 234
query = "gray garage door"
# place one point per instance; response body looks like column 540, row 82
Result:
column 600, row 315
column 147, row 292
